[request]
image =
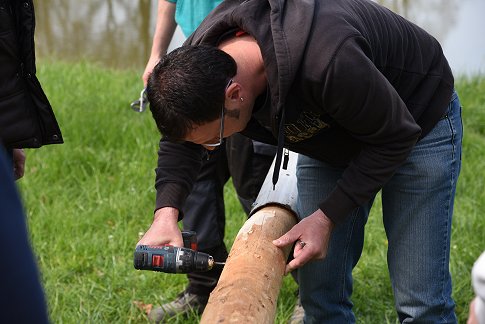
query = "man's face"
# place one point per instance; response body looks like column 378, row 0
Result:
column 235, row 114
column 208, row 134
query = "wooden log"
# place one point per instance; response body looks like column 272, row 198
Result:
column 249, row 285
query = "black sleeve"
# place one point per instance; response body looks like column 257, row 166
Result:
column 177, row 170
column 359, row 98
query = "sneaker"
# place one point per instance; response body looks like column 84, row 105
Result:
column 185, row 303
column 298, row 313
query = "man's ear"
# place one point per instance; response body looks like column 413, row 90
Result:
column 233, row 92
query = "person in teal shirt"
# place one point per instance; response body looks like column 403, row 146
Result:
column 203, row 210
column 188, row 14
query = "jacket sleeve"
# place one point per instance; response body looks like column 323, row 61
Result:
column 360, row 99
column 176, row 172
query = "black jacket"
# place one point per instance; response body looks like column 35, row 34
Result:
column 26, row 117
column 350, row 83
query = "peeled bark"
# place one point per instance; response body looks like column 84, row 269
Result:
column 248, row 289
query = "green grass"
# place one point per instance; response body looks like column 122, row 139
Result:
column 88, row 200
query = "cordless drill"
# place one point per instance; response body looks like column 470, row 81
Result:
column 172, row 259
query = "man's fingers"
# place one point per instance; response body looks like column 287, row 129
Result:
column 18, row 156
column 19, row 170
column 303, row 253
column 284, row 240
column 177, row 242
column 299, row 246
column 300, row 260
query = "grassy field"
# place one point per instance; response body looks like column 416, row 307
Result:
column 88, row 200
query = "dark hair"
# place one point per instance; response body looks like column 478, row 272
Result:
column 186, row 88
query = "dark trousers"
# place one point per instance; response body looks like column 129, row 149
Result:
column 247, row 163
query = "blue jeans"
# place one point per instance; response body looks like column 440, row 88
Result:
column 417, row 206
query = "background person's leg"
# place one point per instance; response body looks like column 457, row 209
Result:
column 204, row 214
column 326, row 285
column 249, row 163
column 418, row 207
column 204, row 208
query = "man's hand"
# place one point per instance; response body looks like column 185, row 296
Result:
column 149, row 68
column 164, row 30
column 164, row 229
column 313, row 236
column 18, row 156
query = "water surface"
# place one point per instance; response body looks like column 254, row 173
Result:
column 118, row 33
